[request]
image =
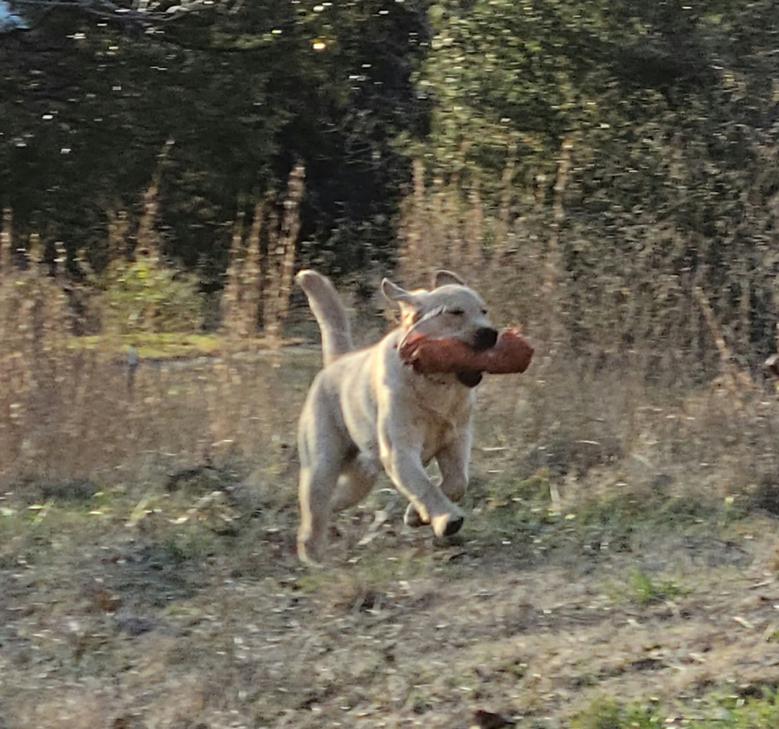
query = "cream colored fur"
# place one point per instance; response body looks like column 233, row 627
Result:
column 367, row 411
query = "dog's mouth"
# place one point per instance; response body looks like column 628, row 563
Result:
column 484, row 338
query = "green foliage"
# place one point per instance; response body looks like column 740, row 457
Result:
column 144, row 296
column 643, row 590
column 606, row 713
column 666, row 111
column 152, row 345
column 505, row 74
column 242, row 89
column 740, row 713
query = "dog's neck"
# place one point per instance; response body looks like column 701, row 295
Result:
column 441, row 396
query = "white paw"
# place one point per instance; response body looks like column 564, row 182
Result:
column 444, row 525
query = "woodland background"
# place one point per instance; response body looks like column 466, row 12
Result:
column 630, row 145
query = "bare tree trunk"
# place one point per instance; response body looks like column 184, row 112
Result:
column 233, row 287
column 506, row 196
column 474, row 228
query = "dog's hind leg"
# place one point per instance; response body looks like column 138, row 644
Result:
column 322, row 453
column 317, row 486
column 357, row 478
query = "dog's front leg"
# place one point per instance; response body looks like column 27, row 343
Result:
column 453, row 460
column 403, row 464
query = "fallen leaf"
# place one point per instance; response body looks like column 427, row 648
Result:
column 743, row 622
column 488, row 720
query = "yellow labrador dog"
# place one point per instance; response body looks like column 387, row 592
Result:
column 367, row 410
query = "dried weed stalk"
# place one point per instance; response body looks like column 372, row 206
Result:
column 260, row 272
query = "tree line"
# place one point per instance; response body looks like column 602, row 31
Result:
column 665, row 114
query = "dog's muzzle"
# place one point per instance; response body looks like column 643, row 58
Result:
column 484, row 338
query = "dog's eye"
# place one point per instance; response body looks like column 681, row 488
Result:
column 457, row 312
column 484, row 311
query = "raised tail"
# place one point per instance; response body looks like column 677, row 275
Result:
column 329, row 312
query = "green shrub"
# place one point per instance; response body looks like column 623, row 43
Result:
column 645, row 591
column 145, row 296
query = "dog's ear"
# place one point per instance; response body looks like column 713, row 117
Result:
column 397, row 295
column 442, row 278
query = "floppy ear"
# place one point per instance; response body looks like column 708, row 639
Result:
column 442, row 278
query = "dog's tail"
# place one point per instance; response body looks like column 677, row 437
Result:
column 329, row 312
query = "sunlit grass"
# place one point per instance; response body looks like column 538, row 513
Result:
column 151, row 345
column 172, row 345
column 731, row 713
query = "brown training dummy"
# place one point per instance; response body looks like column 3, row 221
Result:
column 511, row 353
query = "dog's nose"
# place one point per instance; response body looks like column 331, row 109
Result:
column 485, row 338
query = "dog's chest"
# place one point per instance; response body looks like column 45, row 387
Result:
column 436, row 439
column 442, row 419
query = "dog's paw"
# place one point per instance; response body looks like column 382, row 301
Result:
column 310, row 551
column 445, row 525
column 308, row 559
column 453, row 526
column 412, row 518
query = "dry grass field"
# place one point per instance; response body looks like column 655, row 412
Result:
column 617, row 569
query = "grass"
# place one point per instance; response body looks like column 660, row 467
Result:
column 180, row 608
column 170, row 345
column 754, row 713
column 644, row 590
column 527, row 515
column 147, row 544
column 609, row 714
column 150, row 345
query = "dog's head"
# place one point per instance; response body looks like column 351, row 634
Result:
column 450, row 310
